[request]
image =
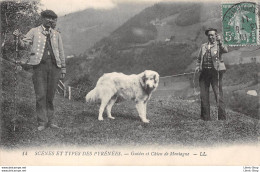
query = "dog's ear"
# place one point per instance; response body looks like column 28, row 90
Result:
column 156, row 78
column 142, row 79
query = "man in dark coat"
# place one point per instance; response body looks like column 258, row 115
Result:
column 212, row 67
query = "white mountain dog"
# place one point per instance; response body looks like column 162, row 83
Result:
column 112, row 86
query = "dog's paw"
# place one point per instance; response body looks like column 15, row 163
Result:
column 101, row 119
column 111, row 117
column 146, row 120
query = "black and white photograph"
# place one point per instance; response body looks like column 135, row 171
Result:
column 130, row 83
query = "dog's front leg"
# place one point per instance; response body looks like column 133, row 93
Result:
column 145, row 105
column 141, row 109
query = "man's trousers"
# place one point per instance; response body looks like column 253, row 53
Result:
column 45, row 79
column 214, row 78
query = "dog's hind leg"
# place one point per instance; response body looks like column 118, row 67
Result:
column 106, row 97
column 110, row 105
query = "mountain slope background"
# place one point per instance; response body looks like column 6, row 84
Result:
column 140, row 43
column 80, row 30
column 164, row 37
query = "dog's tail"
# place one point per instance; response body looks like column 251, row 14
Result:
column 93, row 95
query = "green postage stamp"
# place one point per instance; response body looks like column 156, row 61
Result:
column 240, row 23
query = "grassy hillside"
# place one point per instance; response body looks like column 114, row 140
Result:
column 172, row 122
column 237, row 80
column 241, row 74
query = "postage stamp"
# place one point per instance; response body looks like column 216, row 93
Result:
column 240, row 23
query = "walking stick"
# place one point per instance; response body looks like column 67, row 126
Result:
column 218, row 77
column 15, row 81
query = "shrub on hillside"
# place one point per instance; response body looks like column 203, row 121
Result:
column 81, row 85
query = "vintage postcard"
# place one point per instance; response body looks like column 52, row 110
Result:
column 130, row 83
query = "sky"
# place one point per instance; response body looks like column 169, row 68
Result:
column 62, row 7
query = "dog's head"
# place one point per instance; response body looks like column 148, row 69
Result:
column 149, row 80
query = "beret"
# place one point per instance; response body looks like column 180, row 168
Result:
column 49, row 13
column 210, row 29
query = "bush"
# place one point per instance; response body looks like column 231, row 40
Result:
column 80, row 87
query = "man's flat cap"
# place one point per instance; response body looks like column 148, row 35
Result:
column 210, row 29
column 49, row 13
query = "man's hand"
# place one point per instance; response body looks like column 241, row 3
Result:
column 17, row 33
column 62, row 76
column 218, row 39
column 19, row 68
column 197, row 69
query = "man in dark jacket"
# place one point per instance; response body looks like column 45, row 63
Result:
column 48, row 60
column 211, row 66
